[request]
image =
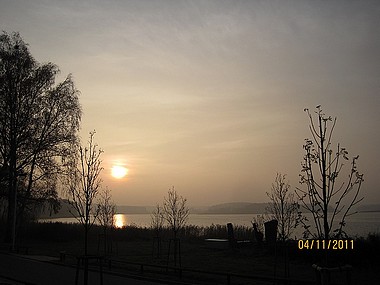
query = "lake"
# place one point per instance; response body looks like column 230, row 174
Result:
column 359, row 224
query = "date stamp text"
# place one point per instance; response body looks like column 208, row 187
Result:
column 333, row 244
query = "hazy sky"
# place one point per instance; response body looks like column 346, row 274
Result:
column 208, row 96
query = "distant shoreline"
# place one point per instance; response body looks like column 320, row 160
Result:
column 233, row 208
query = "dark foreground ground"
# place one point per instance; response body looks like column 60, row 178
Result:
column 51, row 251
column 42, row 270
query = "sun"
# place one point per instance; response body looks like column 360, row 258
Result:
column 118, row 171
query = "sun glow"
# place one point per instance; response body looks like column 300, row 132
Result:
column 118, row 171
column 119, row 221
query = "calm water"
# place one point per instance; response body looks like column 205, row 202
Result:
column 359, row 224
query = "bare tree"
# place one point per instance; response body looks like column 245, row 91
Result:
column 157, row 220
column 283, row 207
column 107, row 210
column 84, row 185
column 39, row 123
column 324, row 195
column 157, row 223
column 176, row 214
column 175, row 211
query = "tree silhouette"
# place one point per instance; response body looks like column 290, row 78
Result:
column 39, row 123
column 321, row 170
column 107, row 210
column 157, row 223
column 283, row 207
column 157, row 220
column 176, row 214
column 175, row 211
column 83, row 181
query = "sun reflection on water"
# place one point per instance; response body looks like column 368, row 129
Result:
column 120, row 221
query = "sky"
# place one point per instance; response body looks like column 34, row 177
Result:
column 208, row 96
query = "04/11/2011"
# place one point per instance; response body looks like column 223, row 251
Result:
column 334, row 244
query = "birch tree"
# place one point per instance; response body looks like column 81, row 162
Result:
column 39, row 123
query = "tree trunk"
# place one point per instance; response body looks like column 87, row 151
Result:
column 10, row 213
column 324, row 181
column 85, row 239
column 10, row 235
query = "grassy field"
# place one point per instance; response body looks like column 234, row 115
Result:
column 135, row 245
